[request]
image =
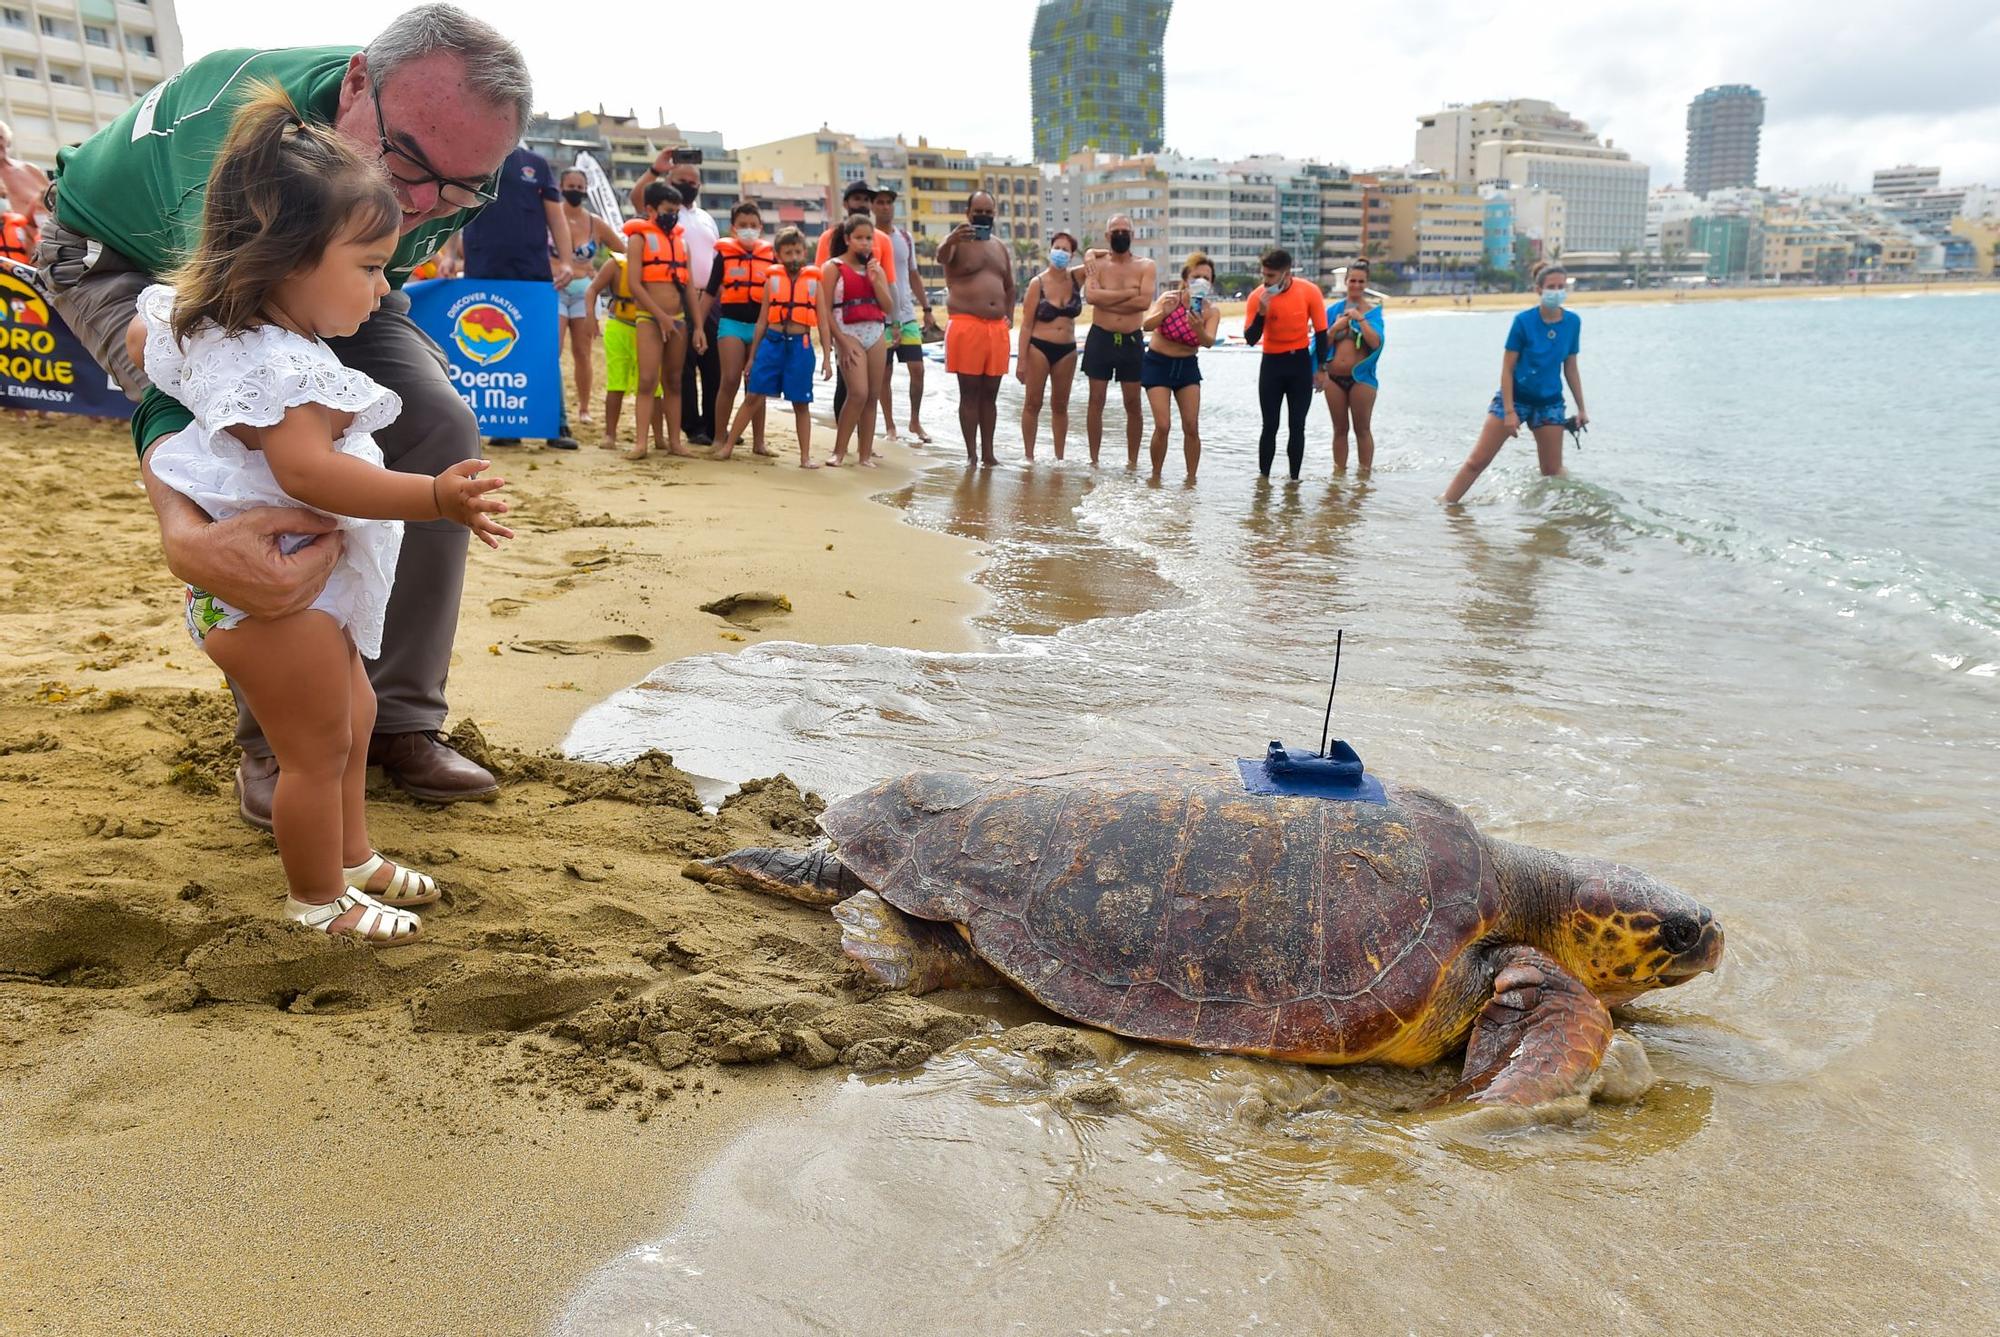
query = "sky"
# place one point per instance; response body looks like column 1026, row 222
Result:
column 1849, row 87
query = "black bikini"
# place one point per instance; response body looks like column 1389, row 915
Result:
column 1052, row 349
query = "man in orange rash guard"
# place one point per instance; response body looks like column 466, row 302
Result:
column 1289, row 315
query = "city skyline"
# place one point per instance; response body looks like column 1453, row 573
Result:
column 1840, row 106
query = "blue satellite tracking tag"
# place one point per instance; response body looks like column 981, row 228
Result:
column 1336, row 775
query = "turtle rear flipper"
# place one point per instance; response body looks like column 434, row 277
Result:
column 811, row 877
column 1539, row 1037
column 905, row 952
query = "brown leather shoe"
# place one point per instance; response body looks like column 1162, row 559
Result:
column 424, row 767
column 256, row 785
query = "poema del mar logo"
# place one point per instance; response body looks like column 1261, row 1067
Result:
column 21, row 304
column 485, row 332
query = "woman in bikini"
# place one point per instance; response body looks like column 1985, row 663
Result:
column 1354, row 334
column 592, row 239
column 1182, row 323
column 1046, row 358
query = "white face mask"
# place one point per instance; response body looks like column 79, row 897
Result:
column 748, row 235
column 1554, row 296
column 1198, row 288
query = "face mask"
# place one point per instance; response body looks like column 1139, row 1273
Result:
column 690, row 191
column 748, row 235
column 1198, row 288
column 793, row 267
column 861, row 250
column 1554, row 296
column 1273, row 289
column 575, row 198
column 1058, row 259
column 1121, row 242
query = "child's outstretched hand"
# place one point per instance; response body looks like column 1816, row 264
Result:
column 462, row 497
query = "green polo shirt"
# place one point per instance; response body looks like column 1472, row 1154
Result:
column 139, row 184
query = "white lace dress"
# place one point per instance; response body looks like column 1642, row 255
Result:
column 250, row 379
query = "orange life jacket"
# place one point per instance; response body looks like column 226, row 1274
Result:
column 664, row 258
column 744, row 269
column 793, row 301
column 18, row 238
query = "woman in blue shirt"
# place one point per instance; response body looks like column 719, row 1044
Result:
column 1542, row 345
column 1348, row 378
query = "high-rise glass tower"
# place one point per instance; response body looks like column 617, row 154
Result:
column 1723, row 127
column 1096, row 76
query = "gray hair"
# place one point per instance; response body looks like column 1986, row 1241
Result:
column 495, row 70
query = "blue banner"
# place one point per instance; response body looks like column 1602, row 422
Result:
column 502, row 339
column 42, row 365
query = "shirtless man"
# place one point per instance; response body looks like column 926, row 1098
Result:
column 1119, row 287
column 23, row 183
column 979, row 283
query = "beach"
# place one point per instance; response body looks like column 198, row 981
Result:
column 604, row 1097
column 214, row 1124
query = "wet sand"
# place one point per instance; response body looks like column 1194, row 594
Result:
column 212, row 1122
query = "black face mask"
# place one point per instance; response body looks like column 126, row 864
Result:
column 690, row 191
column 1121, row 242
column 670, row 221
column 981, row 220
column 575, row 198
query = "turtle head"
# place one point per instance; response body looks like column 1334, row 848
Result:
column 1617, row 929
column 1625, row 931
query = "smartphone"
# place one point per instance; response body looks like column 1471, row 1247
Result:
column 983, row 231
column 687, row 155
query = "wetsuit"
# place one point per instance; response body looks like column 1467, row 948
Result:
column 1292, row 327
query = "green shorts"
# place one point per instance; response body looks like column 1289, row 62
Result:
column 621, row 359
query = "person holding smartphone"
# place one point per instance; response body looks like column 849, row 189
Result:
column 1182, row 323
column 979, row 281
column 1348, row 377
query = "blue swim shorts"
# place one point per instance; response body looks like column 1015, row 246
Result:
column 783, row 367
column 1532, row 415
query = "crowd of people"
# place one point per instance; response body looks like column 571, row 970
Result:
column 316, row 477
column 713, row 315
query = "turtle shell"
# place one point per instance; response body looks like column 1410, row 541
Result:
column 1161, row 901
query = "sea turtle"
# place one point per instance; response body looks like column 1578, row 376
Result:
column 1160, row 900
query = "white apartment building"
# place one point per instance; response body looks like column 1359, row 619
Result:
column 1906, row 180
column 1529, row 142
column 73, row 65
column 1541, row 217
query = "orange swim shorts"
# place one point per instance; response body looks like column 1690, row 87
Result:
column 977, row 346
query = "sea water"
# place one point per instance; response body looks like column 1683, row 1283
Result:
column 1751, row 643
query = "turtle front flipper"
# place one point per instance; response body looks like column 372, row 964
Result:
column 1539, row 1037
column 812, row 877
column 905, row 952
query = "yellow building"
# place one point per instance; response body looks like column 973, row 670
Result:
column 1984, row 234
column 1792, row 246
column 826, row 158
column 1436, row 227
column 940, row 182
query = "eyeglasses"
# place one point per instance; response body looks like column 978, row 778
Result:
column 410, row 171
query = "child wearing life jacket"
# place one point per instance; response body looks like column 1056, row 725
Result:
column 743, row 260
column 621, row 349
column 657, row 253
column 854, row 305
column 18, row 237
column 786, row 318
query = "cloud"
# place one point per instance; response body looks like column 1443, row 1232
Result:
column 1849, row 86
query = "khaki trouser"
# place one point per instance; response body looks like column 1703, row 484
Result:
column 96, row 292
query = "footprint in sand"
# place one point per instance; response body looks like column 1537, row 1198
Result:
column 628, row 643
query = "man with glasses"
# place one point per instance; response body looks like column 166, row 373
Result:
column 441, row 98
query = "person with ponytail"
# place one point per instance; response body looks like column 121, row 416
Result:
column 435, row 102
column 297, row 232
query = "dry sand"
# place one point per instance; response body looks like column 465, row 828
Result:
column 210, row 1122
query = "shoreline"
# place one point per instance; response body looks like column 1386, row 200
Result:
column 216, row 1121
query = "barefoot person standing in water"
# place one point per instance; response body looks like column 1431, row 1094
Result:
column 1354, row 338
column 1542, row 345
column 1045, row 361
column 979, row 285
column 1119, row 287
